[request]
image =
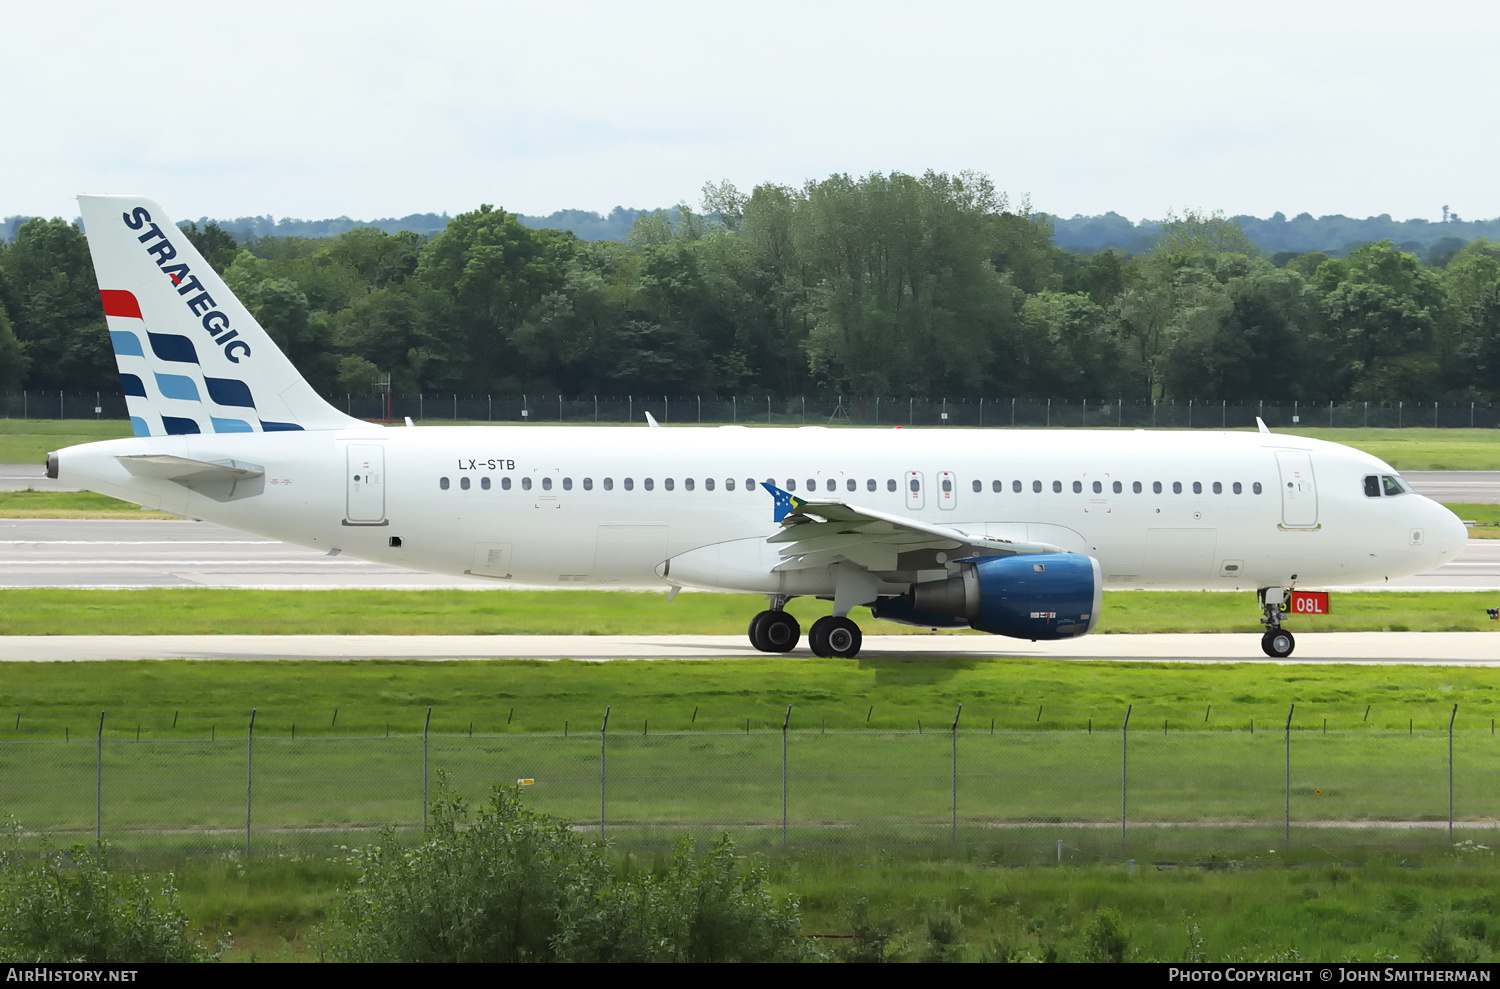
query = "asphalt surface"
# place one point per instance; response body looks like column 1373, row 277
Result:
column 140, row 553
column 1422, row 648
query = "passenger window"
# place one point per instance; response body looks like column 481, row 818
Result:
column 1098, row 488
column 947, row 485
column 1156, row 487
column 629, row 484
column 546, row 484
column 505, row 484
column 791, row 485
column 463, row 482
column 1036, row 487
column 978, row 486
column 812, row 485
column 1393, row 485
column 1136, row 487
column 852, row 484
column 890, row 484
column 1056, row 487
column 1078, row 487
column 1255, row 487
column 1015, row 486
column 1237, row 488
column 484, row 483
column 1177, row 487
column 915, row 485
column 870, row 484
column 708, row 484
column 443, row 483
column 687, row 484
column 525, row 484
column 1197, row 487
column 567, row 484
column 649, row 484
column 609, row 484
column 666, row 484
column 1218, row 488
column 588, row 484
column 728, row 484
column 832, row 484
column 997, row 486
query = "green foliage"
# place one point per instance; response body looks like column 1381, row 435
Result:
column 69, row 907
column 505, row 883
column 890, row 285
column 1105, row 939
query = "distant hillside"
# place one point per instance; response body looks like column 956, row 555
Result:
column 1333, row 235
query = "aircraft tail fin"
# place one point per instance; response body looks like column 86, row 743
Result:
column 192, row 359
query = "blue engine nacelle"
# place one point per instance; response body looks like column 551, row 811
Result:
column 1037, row 596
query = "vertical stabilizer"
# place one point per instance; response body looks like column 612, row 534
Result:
column 192, row 359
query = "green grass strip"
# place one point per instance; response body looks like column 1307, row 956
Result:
column 214, row 611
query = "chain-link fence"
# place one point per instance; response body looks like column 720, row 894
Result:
column 1134, row 790
column 813, row 411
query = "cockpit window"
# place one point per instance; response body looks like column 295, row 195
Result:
column 1394, row 485
column 1372, row 486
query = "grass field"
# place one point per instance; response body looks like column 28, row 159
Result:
column 1378, row 907
column 213, row 611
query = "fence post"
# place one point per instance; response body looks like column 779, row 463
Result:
column 1124, row 729
column 955, row 770
column 784, row 723
column 249, row 768
column 1288, row 835
column 99, row 776
column 602, row 727
column 426, row 725
column 1450, row 772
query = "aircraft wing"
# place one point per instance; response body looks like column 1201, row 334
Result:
column 817, row 533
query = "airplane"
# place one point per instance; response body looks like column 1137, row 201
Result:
column 1012, row 532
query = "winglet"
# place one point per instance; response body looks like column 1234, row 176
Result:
column 651, row 421
column 786, row 503
column 1262, row 424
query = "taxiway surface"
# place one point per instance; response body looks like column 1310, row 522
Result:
column 142, row 553
column 1421, row 648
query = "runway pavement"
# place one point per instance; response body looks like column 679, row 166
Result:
column 1421, row 648
column 139, row 553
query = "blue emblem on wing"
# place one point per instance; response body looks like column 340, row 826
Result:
column 785, row 502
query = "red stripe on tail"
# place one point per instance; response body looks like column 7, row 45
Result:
column 118, row 302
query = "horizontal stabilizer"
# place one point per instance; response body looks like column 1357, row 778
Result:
column 185, row 470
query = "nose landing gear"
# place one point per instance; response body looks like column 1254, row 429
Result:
column 1277, row 642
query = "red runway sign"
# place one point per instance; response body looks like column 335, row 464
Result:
column 1308, row 603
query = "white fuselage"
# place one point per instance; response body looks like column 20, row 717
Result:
column 611, row 505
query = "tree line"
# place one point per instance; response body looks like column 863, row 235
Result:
column 889, row 284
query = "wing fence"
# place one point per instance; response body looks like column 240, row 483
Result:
column 1130, row 791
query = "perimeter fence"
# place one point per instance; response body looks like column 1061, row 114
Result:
column 1126, row 790
column 834, row 410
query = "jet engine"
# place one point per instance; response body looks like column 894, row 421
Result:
column 1036, row 596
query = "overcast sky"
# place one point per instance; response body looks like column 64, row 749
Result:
column 378, row 108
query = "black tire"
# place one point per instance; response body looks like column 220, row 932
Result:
column 817, row 636
column 842, row 638
column 1278, row 643
column 757, row 634
column 780, row 631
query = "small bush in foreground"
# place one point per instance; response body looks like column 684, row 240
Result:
column 68, row 907
column 508, row 884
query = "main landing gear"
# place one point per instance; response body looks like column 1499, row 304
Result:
column 1277, row 643
column 776, row 631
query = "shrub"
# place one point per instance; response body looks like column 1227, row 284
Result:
column 1105, row 939
column 508, row 884
column 68, row 907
